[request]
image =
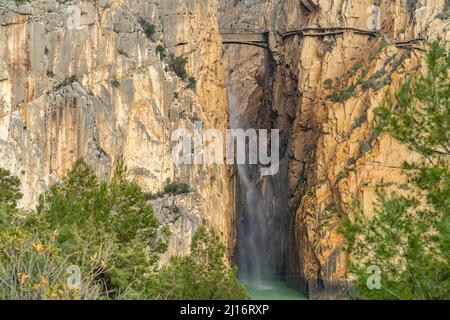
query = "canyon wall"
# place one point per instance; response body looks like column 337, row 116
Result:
column 326, row 90
column 83, row 79
column 322, row 94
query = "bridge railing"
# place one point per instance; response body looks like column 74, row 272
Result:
column 240, row 30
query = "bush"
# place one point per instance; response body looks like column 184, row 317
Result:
column 192, row 83
column 88, row 217
column 176, row 188
column 178, row 65
column 107, row 230
column 149, row 28
column 115, row 83
column 9, row 196
column 343, row 95
column 328, row 83
column 161, row 51
column 203, row 275
column 33, row 267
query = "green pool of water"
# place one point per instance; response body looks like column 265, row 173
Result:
column 271, row 290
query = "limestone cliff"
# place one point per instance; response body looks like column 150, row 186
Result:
column 326, row 89
column 84, row 79
column 322, row 94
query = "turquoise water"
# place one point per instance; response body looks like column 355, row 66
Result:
column 271, row 290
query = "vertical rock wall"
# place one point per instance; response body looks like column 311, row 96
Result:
column 82, row 79
column 325, row 92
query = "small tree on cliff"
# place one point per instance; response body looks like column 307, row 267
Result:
column 9, row 196
column 408, row 239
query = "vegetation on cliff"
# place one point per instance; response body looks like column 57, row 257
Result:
column 407, row 241
column 100, row 240
column 200, row 276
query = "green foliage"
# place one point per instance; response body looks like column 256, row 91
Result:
column 203, row 275
column 418, row 115
column 68, row 81
column 171, row 188
column 33, row 267
column 408, row 238
column 117, row 204
column 161, row 51
column 328, row 83
column 192, row 83
column 88, row 217
column 445, row 14
column 328, row 44
column 149, row 28
column 9, row 195
column 178, row 65
column 404, row 244
column 355, row 68
column 343, row 95
column 176, row 188
column 109, row 232
column 411, row 7
column 115, row 83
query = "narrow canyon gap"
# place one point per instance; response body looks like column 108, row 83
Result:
column 261, row 201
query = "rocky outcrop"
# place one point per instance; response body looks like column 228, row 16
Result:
column 85, row 79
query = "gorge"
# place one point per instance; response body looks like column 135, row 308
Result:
column 102, row 88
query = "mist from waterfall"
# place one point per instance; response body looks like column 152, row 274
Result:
column 252, row 224
column 252, row 231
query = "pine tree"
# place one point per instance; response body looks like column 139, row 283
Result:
column 408, row 237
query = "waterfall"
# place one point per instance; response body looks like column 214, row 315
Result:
column 252, row 225
column 262, row 223
column 252, row 231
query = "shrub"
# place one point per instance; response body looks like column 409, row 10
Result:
column 9, row 196
column 33, row 267
column 105, row 223
column 203, row 275
column 178, row 65
column 343, row 95
column 107, row 230
column 115, row 83
column 149, row 28
column 192, row 83
column 328, row 83
column 176, row 188
column 161, row 51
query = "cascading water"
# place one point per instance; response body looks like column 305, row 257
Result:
column 252, row 233
column 252, row 224
column 255, row 242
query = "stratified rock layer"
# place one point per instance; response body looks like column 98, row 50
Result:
column 83, row 80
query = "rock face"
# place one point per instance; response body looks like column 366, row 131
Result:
column 83, row 79
column 325, row 92
column 322, row 94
